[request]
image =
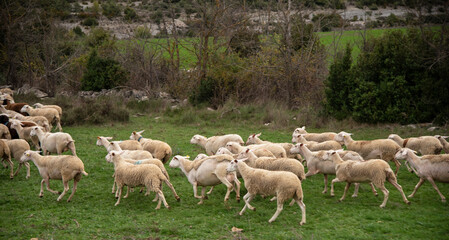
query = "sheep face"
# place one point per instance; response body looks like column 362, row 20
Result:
column 392, row 136
column 231, row 146
column 136, row 135
column 26, row 156
column 341, row 135
column 402, row 154
column 301, row 130
column 111, row 155
column 25, row 109
column 195, row 139
column 296, row 149
column 252, row 138
column 174, row 163
column 222, row 150
column 34, row 131
column 99, row 141
column 243, row 154
column 232, row 166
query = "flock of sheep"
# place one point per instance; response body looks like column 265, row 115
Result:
column 267, row 168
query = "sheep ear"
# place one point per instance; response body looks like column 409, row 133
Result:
column 243, row 159
column 141, row 132
column 108, row 138
column 303, row 127
column 247, row 150
column 258, row 135
column 98, row 138
column 134, row 133
column 444, row 137
column 253, row 136
column 302, row 144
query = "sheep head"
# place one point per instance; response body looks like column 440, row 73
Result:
column 34, row 131
column 233, row 165
column 402, row 154
column 113, row 155
column 28, row 155
column 252, row 138
column 175, row 161
column 25, row 108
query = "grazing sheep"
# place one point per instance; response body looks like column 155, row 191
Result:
column 318, row 146
column 5, row 154
column 131, row 175
column 428, row 167
column 209, row 171
column 317, row 164
column 277, row 150
column 284, row 185
column 424, row 145
column 376, row 171
column 56, row 107
column 13, row 106
column 254, row 139
column 381, row 148
column 125, row 145
column 212, row 144
column 39, row 120
column 159, row 149
column 443, row 142
column 17, row 147
column 51, row 114
column 4, row 132
column 58, row 142
column 316, row 137
column 25, row 133
column 63, row 167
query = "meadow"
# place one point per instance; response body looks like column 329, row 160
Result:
column 92, row 214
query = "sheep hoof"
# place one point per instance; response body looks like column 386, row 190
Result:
column 238, row 200
column 382, row 206
column 41, row 196
column 116, row 197
column 354, row 196
column 68, row 200
column 443, row 200
column 11, row 177
column 206, row 197
column 301, row 223
column 178, row 198
column 408, row 202
column 324, row 192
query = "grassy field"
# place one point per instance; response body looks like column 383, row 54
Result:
column 92, row 214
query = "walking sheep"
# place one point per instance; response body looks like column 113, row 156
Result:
column 65, row 167
column 317, row 137
column 284, row 185
column 428, row 167
column 254, row 139
column 17, row 147
column 212, row 144
column 51, row 114
column 424, row 145
column 443, row 142
column 58, row 142
column 159, row 149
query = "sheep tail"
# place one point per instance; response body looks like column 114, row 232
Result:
column 84, row 173
column 390, row 174
column 298, row 193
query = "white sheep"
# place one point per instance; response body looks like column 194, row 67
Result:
column 380, row 148
column 58, row 142
column 284, row 185
column 51, row 114
column 56, row 107
column 124, row 145
column 254, row 139
column 317, row 164
column 65, row 167
column 258, row 152
column 4, row 132
column 428, row 167
column 212, row 144
column 209, row 171
column 318, row 146
column 39, row 120
column 25, row 133
column 159, row 149
column 443, row 142
column 376, row 171
column 132, row 154
column 5, row 154
column 316, row 137
column 131, row 175
column 17, row 147
column 277, row 150
column 424, row 144
column 9, row 113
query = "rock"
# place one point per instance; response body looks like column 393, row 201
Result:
column 432, row 129
column 27, row 89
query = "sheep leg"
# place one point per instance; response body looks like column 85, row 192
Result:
column 73, row 190
column 172, row 189
column 195, row 190
column 228, row 185
column 348, row 184
column 325, row 184
column 41, row 194
column 11, row 164
column 119, row 194
column 398, row 164
column 47, row 182
column 4, row 164
column 210, row 191
column 66, row 188
column 247, row 198
column 237, row 187
column 303, row 211
column 399, row 188
column 280, row 206
column 373, row 189
column 332, row 185
column 72, row 148
column 127, row 192
column 386, row 193
column 113, row 187
column 28, row 170
column 421, row 181
column 161, row 197
column 356, row 190
column 203, row 191
column 430, row 179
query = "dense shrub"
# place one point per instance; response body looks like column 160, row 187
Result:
column 102, row 73
column 245, row 42
column 130, row 14
column 328, row 21
column 95, row 111
column 111, row 9
column 90, row 22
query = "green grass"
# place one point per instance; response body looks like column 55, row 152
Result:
column 23, row 215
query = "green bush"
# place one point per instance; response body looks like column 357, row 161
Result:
column 90, row 22
column 204, row 93
column 142, row 32
column 102, row 73
column 78, row 31
column 245, row 42
column 95, row 111
column 111, row 9
column 130, row 14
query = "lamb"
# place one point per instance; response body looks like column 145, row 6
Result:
column 39, row 120
column 317, row 146
column 4, row 132
column 63, row 167
column 51, row 114
column 13, row 106
column 125, row 145
column 5, row 154
column 58, row 142
column 443, row 142
column 425, row 144
column 209, row 171
column 25, row 133
column 159, row 149
column 284, row 185
column 381, row 148
column 148, row 175
column 254, row 139
column 428, row 167
column 316, row 164
column 56, row 107
column 17, row 147
column 317, row 137
column 212, row 144
column 276, row 150
column 376, row 171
